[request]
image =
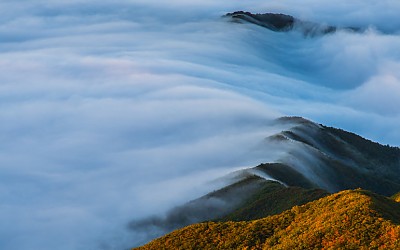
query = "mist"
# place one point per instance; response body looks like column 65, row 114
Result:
column 116, row 111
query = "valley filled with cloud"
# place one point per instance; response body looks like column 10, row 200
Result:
column 115, row 111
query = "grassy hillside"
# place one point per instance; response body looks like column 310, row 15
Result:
column 347, row 220
column 316, row 158
column 249, row 198
column 273, row 198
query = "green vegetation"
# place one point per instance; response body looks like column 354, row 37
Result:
column 286, row 174
column 212, row 206
column 273, row 198
column 383, row 154
column 247, row 199
column 261, row 214
column 347, row 220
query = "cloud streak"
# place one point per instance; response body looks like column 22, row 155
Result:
column 114, row 111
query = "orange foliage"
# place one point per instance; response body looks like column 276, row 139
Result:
column 346, row 220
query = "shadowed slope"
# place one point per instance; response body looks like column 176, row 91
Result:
column 350, row 219
column 211, row 206
column 333, row 159
column 252, row 197
column 316, row 158
column 273, row 198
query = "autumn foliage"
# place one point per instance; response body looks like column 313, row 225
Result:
column 396, row 197
column 354, row 219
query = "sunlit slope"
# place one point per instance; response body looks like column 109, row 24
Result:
column 313, row 158
column 396, row 197
column 355, row 219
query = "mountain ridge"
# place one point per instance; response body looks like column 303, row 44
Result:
column 318, row 160
column 334, row 159
column 351, row 219
column 279, row 22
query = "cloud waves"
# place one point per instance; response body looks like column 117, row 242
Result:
column 114, row 111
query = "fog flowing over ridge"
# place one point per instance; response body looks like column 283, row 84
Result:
column 114, row 111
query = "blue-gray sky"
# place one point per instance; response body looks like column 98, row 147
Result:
column 112, row 111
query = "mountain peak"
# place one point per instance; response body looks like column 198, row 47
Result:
column 316, row 161
column 294, row 120
column 332, row 159
column 272, row 21
column 279, row 22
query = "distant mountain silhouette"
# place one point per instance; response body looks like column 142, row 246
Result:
column 284, row 23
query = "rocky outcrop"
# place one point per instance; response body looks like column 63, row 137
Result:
column 275, row 22
column 285, row 23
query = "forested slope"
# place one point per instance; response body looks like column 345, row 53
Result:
column 353, row 219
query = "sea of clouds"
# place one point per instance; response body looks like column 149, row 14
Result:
column 112, row 111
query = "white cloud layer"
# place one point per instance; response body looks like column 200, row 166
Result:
column 113, row 111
